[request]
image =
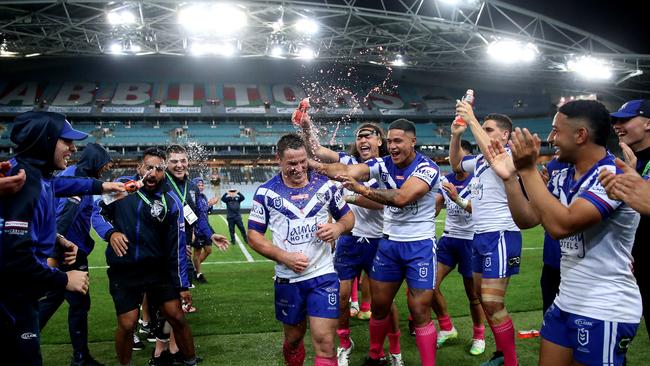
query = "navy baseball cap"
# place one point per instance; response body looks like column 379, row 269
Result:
column 70, row 133
column 633, row 108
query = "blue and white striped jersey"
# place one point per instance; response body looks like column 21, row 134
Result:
column 367, row 223
column 293, row 216
column 458, row 222
column 417, row 220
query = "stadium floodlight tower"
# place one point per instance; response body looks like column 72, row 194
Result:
column 212, row 19
column 590, row 68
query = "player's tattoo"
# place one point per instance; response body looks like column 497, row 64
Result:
column 383, row 196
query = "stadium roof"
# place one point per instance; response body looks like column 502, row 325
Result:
column 430, row 35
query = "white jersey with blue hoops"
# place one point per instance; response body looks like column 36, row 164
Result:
column 293, row 215
column 597, row 279
column 415, row 221
column 490, row 210
column 367, row 223
column 458, row 222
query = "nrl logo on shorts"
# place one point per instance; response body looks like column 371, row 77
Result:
column 488, row 261
column 331, row 298
column 424, row 271
column 277, row 203
column 157, row 209
column 583, row 336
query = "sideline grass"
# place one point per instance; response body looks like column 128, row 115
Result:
column 235, row 323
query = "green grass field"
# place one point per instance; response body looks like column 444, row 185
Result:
column 235, row 322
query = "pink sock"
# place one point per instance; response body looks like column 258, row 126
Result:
column 504, row 337
column 445, row 323
column 479, row 332
column 325, row 361
column 378, row 330
column 365, row 306
column 393, row 343
column 425, row 339
column 355, row 290
column 344, row 337
column 294, row 356
column 410, row 317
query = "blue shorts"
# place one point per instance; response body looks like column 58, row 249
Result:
column 594, row 342
column 496, row 254
column 317, row 297
column 451, row 251
column 354, row 254
column 413, row 260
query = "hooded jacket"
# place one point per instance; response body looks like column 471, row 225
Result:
column 73, row 214
column 155, row 230
column 27, row 219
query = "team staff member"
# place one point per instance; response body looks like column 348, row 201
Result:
column 597, row 312
column 44, row 143
column 296, row 206
column 182, row 187
column 73, row 216
column 407, row 249
column 202, row 248
column 233, row 199
column 146, row 232
column 632, row 126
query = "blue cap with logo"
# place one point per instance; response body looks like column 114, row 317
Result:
column 633, row 108
column 70, row 133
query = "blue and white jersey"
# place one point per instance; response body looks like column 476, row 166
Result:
column 458, row 222
column 293, row 215
column 367, row 223
column 416, row 221
column 596, row 265
column 490, row 210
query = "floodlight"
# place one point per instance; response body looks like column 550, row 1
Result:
column 277, row 51
column 208, row 18
column 509, row 51
column 123, row 17
column 307, row 26
column 590, row 67
column 223, row 49
column 135, row 48
column 33, row 54
column 306, row 53
column 399, row 61
column 116, row 48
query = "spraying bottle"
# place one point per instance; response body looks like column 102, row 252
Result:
column 129, row 187
column 469, row 98
column 5, row 167
column 300, row 112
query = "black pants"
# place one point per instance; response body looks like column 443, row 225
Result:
column 232, row 221
column 79, row 306
column 643, row 281
column 20, row 335
column 550, row 283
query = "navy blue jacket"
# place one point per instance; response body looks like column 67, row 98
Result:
column 73, row 213
column 201, row 227
column 233, row 204
column 156, row 235
column 27, row 219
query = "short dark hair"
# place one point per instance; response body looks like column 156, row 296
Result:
column 503, row 122
column 290, row 141
column 154, row 151
column 466, row 145
column 383, row 148
column 594, row 113
column 176, row 149
column 402, row 124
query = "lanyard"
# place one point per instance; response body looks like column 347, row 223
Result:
column 146, row 200
column 178, row 191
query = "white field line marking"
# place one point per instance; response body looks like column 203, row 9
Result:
column 208, row 263
column 239, row 243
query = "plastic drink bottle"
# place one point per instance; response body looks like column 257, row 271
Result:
column 5, row 166
column 469, row 98
column 130, row 187
column 297, row 116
